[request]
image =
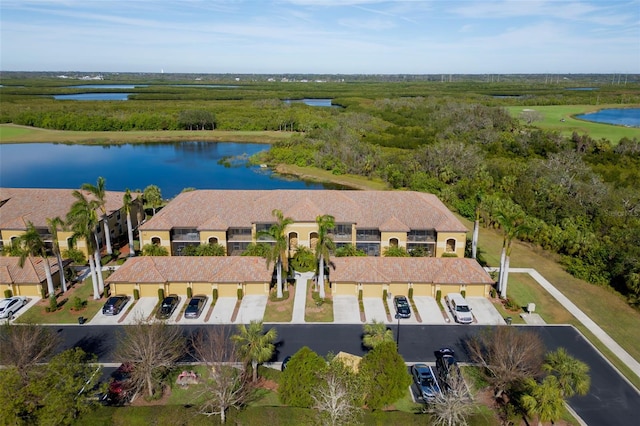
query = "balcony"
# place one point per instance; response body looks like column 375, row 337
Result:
column 185, row 235
column 239, row 234
column 341, row 237
column 421, row 236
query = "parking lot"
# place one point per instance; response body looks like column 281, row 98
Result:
column 346, row 311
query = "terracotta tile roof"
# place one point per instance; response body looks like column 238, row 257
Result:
column 21, row 205
column 397, row 210
column 220, row 269
column 445, row 270
column 32, row 272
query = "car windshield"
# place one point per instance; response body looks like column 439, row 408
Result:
column 463, row 308
column 167, row 303
column 194, row 302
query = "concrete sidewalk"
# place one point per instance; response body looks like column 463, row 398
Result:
column 600, row 334
column 299, row 302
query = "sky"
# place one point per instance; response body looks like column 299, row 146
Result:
column 321, row 36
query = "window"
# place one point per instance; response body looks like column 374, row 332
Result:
column 451, row 245
column 393, row 242
column 313, row 240
column 213, row 240
column 367, row 235
column 293, row 240
column 156, row 241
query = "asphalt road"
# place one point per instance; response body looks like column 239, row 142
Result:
column 611, row 400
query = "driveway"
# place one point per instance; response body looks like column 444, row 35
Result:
column 251, row 309
column 141, row 311
column 429, row 310
column 346, row 310
column 392, row 310
column 201, row 319
column 374, row 309
column 101, row 319
column 222, row 310
column 484, row 312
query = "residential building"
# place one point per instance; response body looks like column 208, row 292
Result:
column 28, row 280
column 369, row 220
column 396, row 275
column 19, row 206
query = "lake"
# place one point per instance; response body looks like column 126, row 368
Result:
column 629, row 117
column 171, row 166
column 93, row 97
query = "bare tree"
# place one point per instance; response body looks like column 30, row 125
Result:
column 531, row 115
column 508, row 355
column 227, row 383
column 152, row 348
column 338, row 397
column 23, row 346
column 454, row 407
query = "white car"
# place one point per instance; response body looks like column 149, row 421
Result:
column 459, row 308
column 8, row 307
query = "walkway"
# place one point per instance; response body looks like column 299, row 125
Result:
column 301, row 297
column 594, row 328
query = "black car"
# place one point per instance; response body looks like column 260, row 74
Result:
column 114, row 305
column 195, row 306
column 169, row 304
column 402, row 307
column 446, row 365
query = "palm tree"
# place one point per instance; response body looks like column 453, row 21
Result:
column 153, row 196
column 32, row 244
column 127, row 202
column 543, row 400
column 53, row 225
column 512, row 220
column 255, row 345
column 278, row 253
column 83, row 220
column 324, row 246
column 100, row 193
column 572, row 374
column 375, row 333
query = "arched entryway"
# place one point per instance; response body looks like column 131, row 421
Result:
column 393, row 242
column 313, row 240
column 293, row 240
column 213, row 240
column 451, row 245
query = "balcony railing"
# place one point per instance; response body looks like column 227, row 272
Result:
column 185, row 236
column 340, row 237
column 421, row 238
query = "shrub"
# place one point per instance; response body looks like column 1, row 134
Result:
column 438, row 295
column 463, row 293
column 385, row 294
column 300, row 379
column 511, row 304
column 136, row 294
column 493, row 293
column 239, row 294
column 160, row 294
column 53, row 304
column 304, row 260
column 411, row 293
column 214, row 296
column 7, row 294
column 360, row 295
column 189, row 292
column 449, row 255
column 75, row 255
column 78, row 304
column 43, row 292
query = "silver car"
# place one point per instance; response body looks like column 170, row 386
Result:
column 8, row 307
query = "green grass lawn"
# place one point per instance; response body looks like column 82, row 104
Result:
column 553, row 114
column 65, row 315
column 315, row 313
column 280, row 310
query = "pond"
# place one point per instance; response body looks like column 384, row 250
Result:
column 312, row 102
column 93, row 97
column 629, row 117
column 172, row 167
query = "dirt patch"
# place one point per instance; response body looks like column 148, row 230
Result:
column 140, row 401
column 267, row 384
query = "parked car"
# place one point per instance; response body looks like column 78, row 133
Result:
column 169, row 304
column 11, row 305
column 402, row 307
column 285, row 361
column 195, row 306
column 119, row 392
column 114, row 304
column 425, row 379
column 446, row 365
column 459, row 308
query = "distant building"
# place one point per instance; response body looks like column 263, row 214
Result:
column 369, row 220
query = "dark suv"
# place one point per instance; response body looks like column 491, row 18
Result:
column 402, row 307
column 169, row 304
column 114, row 305
column 446, row 366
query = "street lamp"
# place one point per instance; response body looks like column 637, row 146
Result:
column 398, row 331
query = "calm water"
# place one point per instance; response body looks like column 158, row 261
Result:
column 172, row 167
column 108, row 86
column 312, row 102
column 93, row 97
column 620, row 116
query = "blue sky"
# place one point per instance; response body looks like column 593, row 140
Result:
column 321, row 36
